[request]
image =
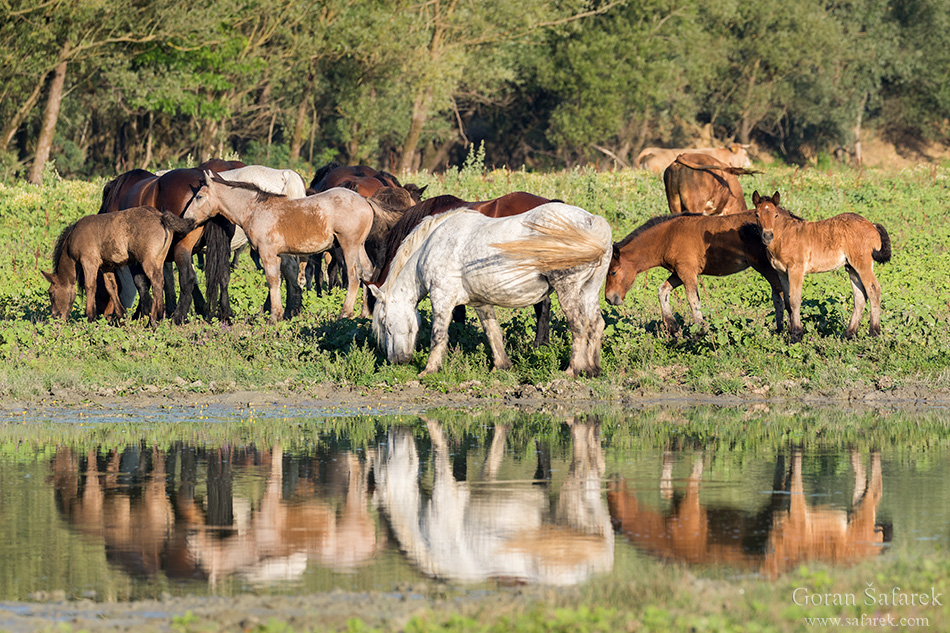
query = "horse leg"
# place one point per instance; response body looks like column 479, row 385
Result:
column 271, row 264
column 793, row 280
column 666, row 314
column 187, row 279
column 351, row 258
column 168, row 275
column 112, row 288
column 542, row 313
column 155, row 273
column 690, row 284
column 496, row 340
column 290, row 271
column 578, row 320
column 440, row 336
column 127, row 287
column 91, row 271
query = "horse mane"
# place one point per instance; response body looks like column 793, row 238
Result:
column 649, row 224
column 322, row 173
column 388, row 204
column 262, row 196
column 410, row 220
column 113, row 188
column 415, row 239
column 387, row 179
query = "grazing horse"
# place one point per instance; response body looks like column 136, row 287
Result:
column 107, row 242
column 698, row 183
column 172, row 191
column 465, row 258
column 690, row 245
column 797, row 247
column 276, row 225
column 510, row 204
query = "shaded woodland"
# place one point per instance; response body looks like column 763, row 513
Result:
column 103, row 86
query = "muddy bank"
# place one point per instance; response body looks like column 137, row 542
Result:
column 414, row 397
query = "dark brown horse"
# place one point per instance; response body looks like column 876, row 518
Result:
column 510, row 204
column 104, row 243
column 690, row 245
column 796, row 247
column 173, row 191
column 362, row 179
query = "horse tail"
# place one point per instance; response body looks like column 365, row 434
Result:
column 735, row 171
column 177, row 224
column 560, row 244
column 218, row 266
column 883, row 255
column 321, row 174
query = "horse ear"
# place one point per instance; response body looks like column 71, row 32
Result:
column 376, row 292
column 775, row 198
column 755, row 198
column 209, row 176
column 422, row 190
column 47, row 276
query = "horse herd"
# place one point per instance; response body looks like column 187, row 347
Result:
column 510, row 252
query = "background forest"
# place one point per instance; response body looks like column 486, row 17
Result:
column 103, row 86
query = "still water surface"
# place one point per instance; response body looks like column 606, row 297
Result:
column 114, row 506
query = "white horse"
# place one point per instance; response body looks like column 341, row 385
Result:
column 464, row 258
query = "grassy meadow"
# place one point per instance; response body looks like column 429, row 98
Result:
column 739, row 354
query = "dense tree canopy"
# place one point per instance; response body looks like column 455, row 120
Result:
column 102, row 86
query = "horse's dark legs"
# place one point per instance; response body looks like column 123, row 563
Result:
column 168, row 275
column 290, row 271
column 793, row 280
column 542, row 312
column 218, row 234
column 187, row 278
column 146, row 300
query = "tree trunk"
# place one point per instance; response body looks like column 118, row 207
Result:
column 296, row 141
column 50, row 116
column 9, row 130
column 858, row 157
column 420, row 113
column 149, row 138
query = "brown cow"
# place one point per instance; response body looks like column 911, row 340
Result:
column 698, row 183
column 656, row 159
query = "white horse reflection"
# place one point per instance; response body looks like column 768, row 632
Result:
column 471, row 532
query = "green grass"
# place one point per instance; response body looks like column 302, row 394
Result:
column 739, row 355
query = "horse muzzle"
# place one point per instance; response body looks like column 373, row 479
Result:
column 614, row 298
column 767, row 237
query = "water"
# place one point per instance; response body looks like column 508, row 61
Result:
column 121, row 505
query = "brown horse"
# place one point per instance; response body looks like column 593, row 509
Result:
column 698, row 183
column 365, row 181
column 507, row 205
column 783, row 535
column 797, row 247
column 172, row 192
column 362, row 179
column 276, row 225
column 106, row 242
column 690, row 245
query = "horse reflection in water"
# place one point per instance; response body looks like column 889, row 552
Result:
column 150, row 523
column 494, row 530
column 785, row 534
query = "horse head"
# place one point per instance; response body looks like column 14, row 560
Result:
column 395, row 326
column 61, row 295
column 619, row 278
column 767, row 211
column 204, row 205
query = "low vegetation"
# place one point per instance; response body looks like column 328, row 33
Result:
column 739, row 354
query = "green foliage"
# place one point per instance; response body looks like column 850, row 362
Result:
column 739, row 354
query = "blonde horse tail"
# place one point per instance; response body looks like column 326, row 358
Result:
column 883, row 255
column 560, row 245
